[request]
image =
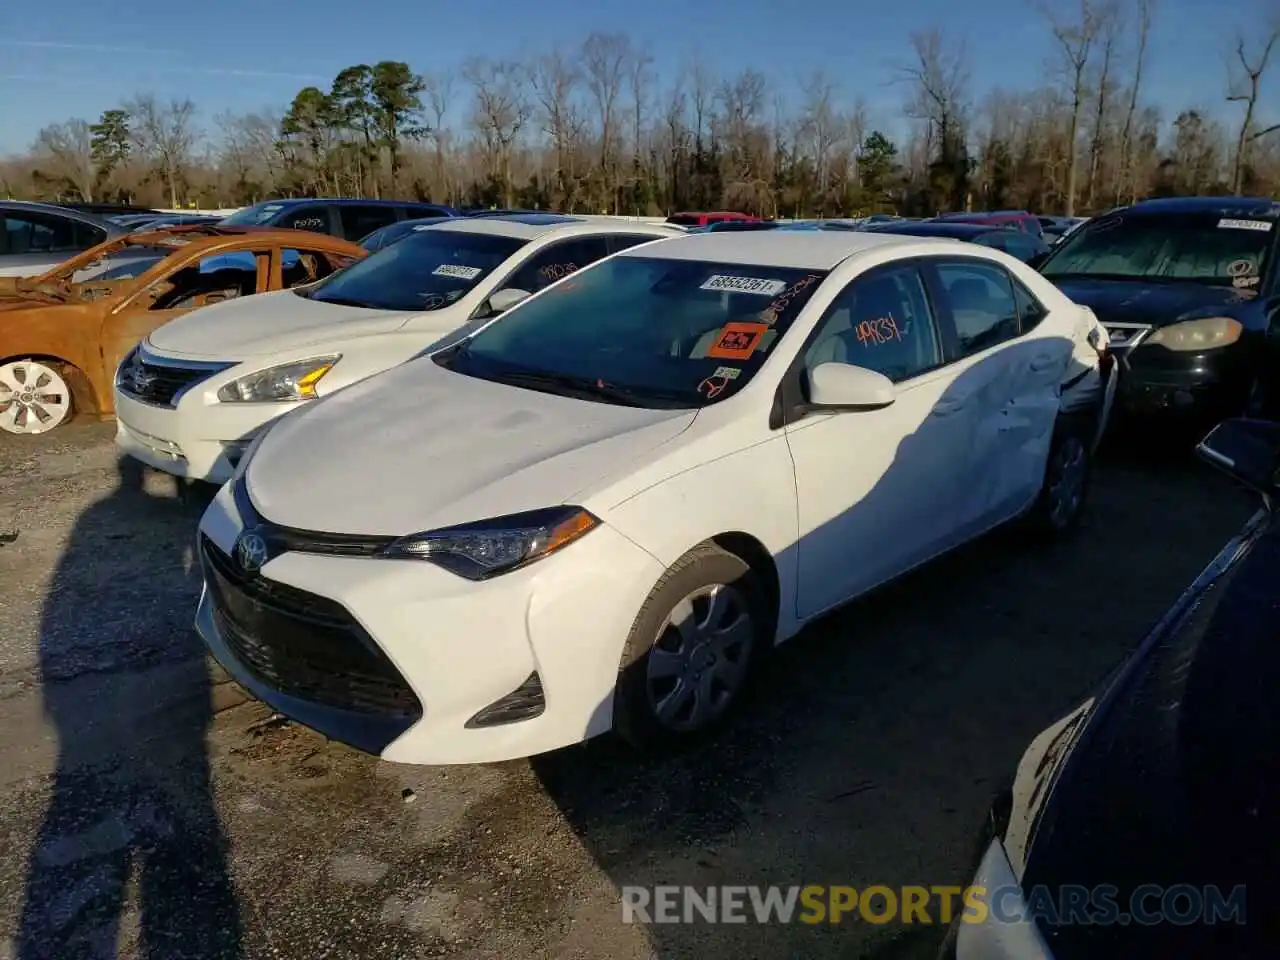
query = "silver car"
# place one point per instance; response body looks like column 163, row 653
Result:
column 36, row 237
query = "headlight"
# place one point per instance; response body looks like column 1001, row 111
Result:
column 487, row 548
column 287, row 381
column 1192, row 335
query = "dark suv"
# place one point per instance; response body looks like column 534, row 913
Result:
column 1187, row 290
column 350, row 219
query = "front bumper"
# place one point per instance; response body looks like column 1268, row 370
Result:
column 459, row 646
column 1006, row 931
column 196, row 440
column 1154, row 380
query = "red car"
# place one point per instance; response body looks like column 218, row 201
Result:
column 1019, row 219
column 702, row 219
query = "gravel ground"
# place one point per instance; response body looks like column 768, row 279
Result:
column 149, row 811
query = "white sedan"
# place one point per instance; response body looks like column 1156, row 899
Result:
column 190, row 398
column 600, row 510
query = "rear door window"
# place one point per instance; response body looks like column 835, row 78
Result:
column 359, row 220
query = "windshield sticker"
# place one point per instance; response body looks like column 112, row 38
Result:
column 1241, row 268
column 872, row 333
column 458, row 271
column 432, row 301
column 726, row 373
column 770, row 313
column 764, row 288
column 715, row 384
column 1262, row 226
column 1245, row 283
column 737, row 341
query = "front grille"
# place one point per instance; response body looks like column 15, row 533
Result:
column 158, row 383
column 301, row 644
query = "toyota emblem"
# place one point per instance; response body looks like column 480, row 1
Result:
column 251, row 551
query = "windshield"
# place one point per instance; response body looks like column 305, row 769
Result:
column 427, row 270
column 259, row 213
column 124, row 263
column 1213, row 250
column 642, row 332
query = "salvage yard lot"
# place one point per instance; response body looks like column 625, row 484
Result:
column 131, row 772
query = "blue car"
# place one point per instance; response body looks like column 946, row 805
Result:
column 385, row 236
column 1186, row 288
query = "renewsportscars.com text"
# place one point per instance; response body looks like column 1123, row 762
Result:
column 1150, row 904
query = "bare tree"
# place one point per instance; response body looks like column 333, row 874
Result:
column 1103, row 88
column 1076, row 39
column 821, row 128
column 1243, row 88
column 164, row 134
column 554, row 80
column 746, row 140
column 703, row 95
column 939, row 80
column 605, row 57
column 500, row 113
column 438, row 95
column 64, row 152
column 1125, row 182
column 639, row 76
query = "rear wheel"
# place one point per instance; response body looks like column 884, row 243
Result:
column 1058, row 509
column 34, row 397
column 691, row 650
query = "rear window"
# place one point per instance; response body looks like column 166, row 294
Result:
column 1210, row 249
column 685, row 220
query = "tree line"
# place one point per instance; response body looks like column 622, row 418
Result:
column 596, row 129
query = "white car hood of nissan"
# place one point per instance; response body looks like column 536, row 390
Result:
column 278, row 322
column 448, row 449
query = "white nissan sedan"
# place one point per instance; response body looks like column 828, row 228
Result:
column 600, row 510
column 190, row 398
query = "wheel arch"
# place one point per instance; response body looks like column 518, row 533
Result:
column 755, row 555
column 84, row 399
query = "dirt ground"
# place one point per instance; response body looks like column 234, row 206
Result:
column 146, row 810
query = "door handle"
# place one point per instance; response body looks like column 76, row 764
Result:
column 945, row 408
column 1041, row 364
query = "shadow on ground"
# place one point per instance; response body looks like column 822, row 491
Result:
column 873, row 743
column 130, row 856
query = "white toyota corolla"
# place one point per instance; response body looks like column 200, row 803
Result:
column 599, row 510
column 190, row 398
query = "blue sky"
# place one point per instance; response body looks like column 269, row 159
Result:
column 75, row 58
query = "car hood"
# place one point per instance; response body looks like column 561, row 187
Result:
column 1171, row 780
column 420, row 447
column 1159, row 304
column 268, row 323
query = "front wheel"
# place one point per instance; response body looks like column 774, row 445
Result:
column 691, row 650
column 1058, row 509
column 34, row 397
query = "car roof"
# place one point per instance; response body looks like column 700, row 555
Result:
column 1261, row 208
column 801, row 249
column 528, row 226
column 198, row 235
column 939, row 228
column 53, row 209
column 346, row 201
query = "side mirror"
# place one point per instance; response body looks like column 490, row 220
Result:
column 1248, row 450
column 504, row 300
column 842, row 386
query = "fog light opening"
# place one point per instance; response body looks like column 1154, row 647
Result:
column 523, row 703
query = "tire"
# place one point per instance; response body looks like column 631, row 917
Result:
column 649, row 709
column 35, row 397
column 1064, row 492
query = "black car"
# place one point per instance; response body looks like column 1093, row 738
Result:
column 385, row 236
column 1144, row 823
column 1186, row 289
column 350, row 219
column 1017, row 243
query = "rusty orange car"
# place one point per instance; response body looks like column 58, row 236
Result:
column 63, row 334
